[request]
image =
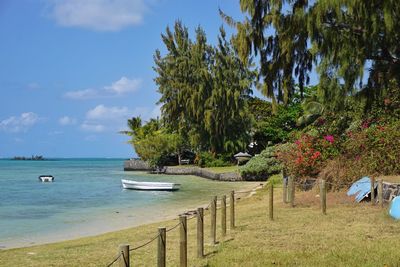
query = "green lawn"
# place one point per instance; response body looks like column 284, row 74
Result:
column 349, row 235
column 223, row 169
column 213, row 169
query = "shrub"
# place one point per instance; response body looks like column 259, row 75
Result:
column 375, row 148
column 308, row 154
column 207, row 159
column 261, row 166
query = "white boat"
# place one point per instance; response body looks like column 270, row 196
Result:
column 46, row 178
column 129, row 184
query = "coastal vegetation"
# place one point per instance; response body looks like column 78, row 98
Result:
column 349, row 117
column 33, row 157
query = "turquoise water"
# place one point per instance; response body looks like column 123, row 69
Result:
column 87, row 198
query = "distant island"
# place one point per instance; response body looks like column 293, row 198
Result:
column 37, row 157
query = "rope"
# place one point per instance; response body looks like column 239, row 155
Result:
column 192, row 217
column 173, row 227
column 145, row 244
column 116, row 258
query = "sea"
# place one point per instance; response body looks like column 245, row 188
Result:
column 87, row 198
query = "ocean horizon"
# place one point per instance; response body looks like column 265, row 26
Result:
column 87, row 199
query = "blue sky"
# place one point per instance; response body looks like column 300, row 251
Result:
column 73, row 71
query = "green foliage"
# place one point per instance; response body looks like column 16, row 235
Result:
column 341, row 38
column 154, row 148
column 261, row 166
column 203, row 91
column 278, row 127
column 207, row 159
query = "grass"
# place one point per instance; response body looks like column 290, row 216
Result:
column 349, row 235
column 223, row 169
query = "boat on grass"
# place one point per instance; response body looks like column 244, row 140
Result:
column 46, row 178
column 136, row 185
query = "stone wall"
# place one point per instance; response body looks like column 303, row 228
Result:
column 140, row 165
column 230, row 176
column 390, row 191
column 136, row 165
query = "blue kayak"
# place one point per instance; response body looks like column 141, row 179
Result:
column 394, row 210
column 361, row 188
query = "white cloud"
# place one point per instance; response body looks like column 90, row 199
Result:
column 92, row 127
column 98, row 15
column 19, row 124
column 65, row 120
column 102, row 112
column 82, row 94
column 123, row 85
column 118, row 88
column 113, row 118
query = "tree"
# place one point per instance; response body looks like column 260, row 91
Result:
column 279, row 39
column 203, row 91
column 342, row 38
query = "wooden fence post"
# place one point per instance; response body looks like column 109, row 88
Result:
column 271, row 202
column 373, row 190
column 232, row 207
column 291, row 190
column 380, row 192
column 162, row 242
column 124, row 258
column 200, row 233
column 223, row 215
column 214, row 220
column 323, row 196
column 285, row 190
column 183, row 241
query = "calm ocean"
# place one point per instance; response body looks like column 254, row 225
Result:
column 87, row 198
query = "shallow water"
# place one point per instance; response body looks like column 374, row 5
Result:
column 87, row 198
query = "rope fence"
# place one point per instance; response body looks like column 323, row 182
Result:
column 220, row 205
column 145, row 244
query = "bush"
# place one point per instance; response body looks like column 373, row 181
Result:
column 207, row 159
column 261, row 166
column 308, row 154
column 375, row 149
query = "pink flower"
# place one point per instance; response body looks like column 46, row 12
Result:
column 365, row 125
column 329, row 138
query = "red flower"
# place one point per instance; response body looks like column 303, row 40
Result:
column 316, row 155
column 329, row 138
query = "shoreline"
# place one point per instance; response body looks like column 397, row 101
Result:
column 120, row 222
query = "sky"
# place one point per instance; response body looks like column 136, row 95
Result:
column 73, row 71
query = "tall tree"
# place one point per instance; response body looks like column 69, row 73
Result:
column 203, row 90
column 279, row 38
column 342, row 38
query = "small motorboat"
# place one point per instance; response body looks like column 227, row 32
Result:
column 46, row 178
column 129, row 184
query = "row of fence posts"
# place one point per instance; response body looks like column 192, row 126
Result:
column 123, row 249
column 288, row 197
column 289, row 194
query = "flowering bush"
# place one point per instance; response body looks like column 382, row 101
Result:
column 307, row 155
column 375, row 149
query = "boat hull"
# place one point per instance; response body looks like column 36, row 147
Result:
column 150, row 186
column 46, row 178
